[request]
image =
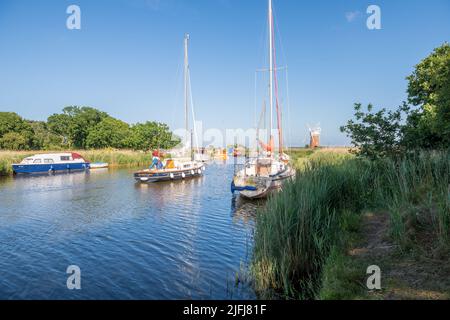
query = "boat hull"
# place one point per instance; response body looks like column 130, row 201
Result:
column 262, row 193
column 44, row 168
column 273, row 184
column 169, row 175
column 99, row 165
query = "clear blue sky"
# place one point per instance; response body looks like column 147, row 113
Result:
column 126, row 58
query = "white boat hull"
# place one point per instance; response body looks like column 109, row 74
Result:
column 265, row 185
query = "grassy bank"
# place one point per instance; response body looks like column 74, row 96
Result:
column 304, row 235
column 116, row 158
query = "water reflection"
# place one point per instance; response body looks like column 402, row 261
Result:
column 174, row 240
column 243, row 209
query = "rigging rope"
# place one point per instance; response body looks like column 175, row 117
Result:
column 193, row 113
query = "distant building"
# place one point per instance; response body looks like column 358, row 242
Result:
column 314, row 137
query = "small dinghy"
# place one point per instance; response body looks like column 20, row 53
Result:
column 99, row 165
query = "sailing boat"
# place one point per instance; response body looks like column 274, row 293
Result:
column 261, row 176
column 176, row 168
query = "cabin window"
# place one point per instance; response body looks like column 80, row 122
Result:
column 37, row 161
column 48, row 161
column 65, row 158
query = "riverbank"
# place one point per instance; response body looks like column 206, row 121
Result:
column 115, row 158
column 316, row 239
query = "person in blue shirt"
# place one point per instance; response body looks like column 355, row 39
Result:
column 156, row 161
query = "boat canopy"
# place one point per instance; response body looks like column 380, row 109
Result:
column 76, row 156
column 54, row 158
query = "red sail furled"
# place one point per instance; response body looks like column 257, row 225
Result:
column 280, row 130
column 268, row 147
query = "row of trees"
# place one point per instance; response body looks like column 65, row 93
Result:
column 421, row 122
column 82, row 128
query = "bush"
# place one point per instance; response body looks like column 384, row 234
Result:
column 14, row 141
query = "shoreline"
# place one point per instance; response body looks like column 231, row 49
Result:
column 317, row 238
column 115, row 158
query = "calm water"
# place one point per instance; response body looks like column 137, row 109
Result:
column 181, row 240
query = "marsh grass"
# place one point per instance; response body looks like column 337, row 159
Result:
column 116, row 158
column 299, row 232
column 7, row 158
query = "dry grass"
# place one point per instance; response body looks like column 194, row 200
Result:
column 338, row 150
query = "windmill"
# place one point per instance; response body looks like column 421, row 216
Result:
column 314, row 133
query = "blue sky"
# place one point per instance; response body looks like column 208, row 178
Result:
column 126, row 58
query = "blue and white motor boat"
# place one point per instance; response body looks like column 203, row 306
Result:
column 54, row 162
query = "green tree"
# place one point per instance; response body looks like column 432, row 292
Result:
column 376, row 134
column 59, row 124
column 12, row 125
column 43, row 137
column 75, row 123
column 428, row 126
column 14, row 141
column 152, row 135
column 427, row 115
column 109, row 132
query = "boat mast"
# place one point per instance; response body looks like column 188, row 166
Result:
column 271, row 73
column 186, row 89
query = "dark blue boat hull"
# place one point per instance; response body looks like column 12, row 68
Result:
column 42, row 168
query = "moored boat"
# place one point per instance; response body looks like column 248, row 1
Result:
column 52, row 162
column 187, row 163
column 99, row 165
column 266, row 173
column 172, row 170
column 260, row 177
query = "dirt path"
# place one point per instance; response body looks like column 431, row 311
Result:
column 413, row 275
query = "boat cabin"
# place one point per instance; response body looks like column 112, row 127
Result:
column 54, row 158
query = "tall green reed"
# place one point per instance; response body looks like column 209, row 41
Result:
column 297, row 228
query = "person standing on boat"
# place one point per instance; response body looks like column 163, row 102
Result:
column 156, row 161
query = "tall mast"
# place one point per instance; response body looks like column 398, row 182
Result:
column 186, row 88
column 271, row 71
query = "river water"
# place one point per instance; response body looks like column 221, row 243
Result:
column 180, row 240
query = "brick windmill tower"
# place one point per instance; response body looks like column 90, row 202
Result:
column 314, row 134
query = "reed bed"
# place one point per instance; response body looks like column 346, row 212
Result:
column 7, row 158
column 299, row 229
column 115, row 158
column 118, row 158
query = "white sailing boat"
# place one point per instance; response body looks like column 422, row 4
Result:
column 266, row 173
column 183, row 164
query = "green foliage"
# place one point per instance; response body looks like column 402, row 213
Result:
column 118, row 158
column 82, row 128
column 75, row 123
column 109, row 132
column 429, row 90
column 151, row 135
column 427, row 124
column 376, row 134
column 43, row 137
column 342, row 277
column 14, row 141
column 297, row 228
column 15, row 133
column 58, row 124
